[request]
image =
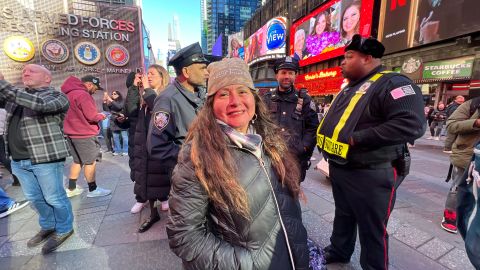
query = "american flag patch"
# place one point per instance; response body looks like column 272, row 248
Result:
column 402, row 91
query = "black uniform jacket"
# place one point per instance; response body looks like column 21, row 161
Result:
column 300, row 129
column 173, row 112
column 393, row 117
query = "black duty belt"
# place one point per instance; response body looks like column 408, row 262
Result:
column 383, row 165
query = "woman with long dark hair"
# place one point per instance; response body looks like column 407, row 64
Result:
column 322, row 35
column 234, row 196
column 117, row 124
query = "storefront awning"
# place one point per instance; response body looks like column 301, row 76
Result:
column 475, row 85
column 437, row 80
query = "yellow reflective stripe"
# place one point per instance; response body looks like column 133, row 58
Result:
column 346, row 114
column 331, row 145
column 351, row 106
column 375, row 77
column 320, row 139
column 335, row 148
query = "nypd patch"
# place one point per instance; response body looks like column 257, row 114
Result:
column 161, row 119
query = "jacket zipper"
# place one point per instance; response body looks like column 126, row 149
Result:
column 262, row 163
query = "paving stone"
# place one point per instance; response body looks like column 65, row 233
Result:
column 393, row 224
column 91, row 210
column 14, row 262
column 122, row 218
column 329, row 217
column 113, row 234
column 84, row 205
column 435, row 248
column 84, row 234
column 156, row 232
column 402, row 204
column 150, row 255
column 28, row 230
column 411, row 236
column 18, row 248
column 407, row 258
column 318, row 204
column 456, row 259
column 98, row 215
column 122, row 200
column 9, row 227
column 3, row 239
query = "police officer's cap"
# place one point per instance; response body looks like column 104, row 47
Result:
column 192, row 54
column 368, row 46
column 286, row 63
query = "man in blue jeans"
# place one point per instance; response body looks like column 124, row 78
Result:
column 8, row 206
column 37, row 147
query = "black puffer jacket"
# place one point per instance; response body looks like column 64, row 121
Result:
column 115, row 108
column 149, row 183
column 206, row 237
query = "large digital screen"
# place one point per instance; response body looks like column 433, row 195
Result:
column 405, row 23
column 235, row 46
column 324, row 33
column 267, row 42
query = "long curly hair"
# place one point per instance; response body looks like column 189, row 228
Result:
column 214, row 164
column 328, row 26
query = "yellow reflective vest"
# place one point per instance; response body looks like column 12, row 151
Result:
column 338, row 125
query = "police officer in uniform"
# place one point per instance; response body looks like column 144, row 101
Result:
column 294, row 111
column 173, row 112
column 364, row 136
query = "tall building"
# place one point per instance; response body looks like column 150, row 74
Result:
column 203, row 24
column 224, row 17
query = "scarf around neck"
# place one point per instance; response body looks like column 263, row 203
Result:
column 250, row 141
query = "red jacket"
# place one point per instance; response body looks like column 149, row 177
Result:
column 82, row 117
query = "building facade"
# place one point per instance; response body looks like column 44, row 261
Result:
column 224, row 17
column 440, row 52
column 73, row 37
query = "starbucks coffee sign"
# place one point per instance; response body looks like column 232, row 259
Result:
column 454, row 68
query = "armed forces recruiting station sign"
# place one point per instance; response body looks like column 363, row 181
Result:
column 92, row 38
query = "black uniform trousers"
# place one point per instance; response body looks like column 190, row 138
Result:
column 364, row 199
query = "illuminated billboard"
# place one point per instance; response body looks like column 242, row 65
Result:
column 324, row 33
column 235, row 46
column 268, row 42
column 405, row 23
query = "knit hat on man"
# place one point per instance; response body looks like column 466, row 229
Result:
column 228, row 72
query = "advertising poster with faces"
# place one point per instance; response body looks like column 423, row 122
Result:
column 323, row 33
column 235, row 46
column 407, row 24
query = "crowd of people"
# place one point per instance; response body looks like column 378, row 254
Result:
column 226, row 163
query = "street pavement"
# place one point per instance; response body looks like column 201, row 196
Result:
column 106, row 232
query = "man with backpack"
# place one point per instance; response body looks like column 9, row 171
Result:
column 464, row 124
